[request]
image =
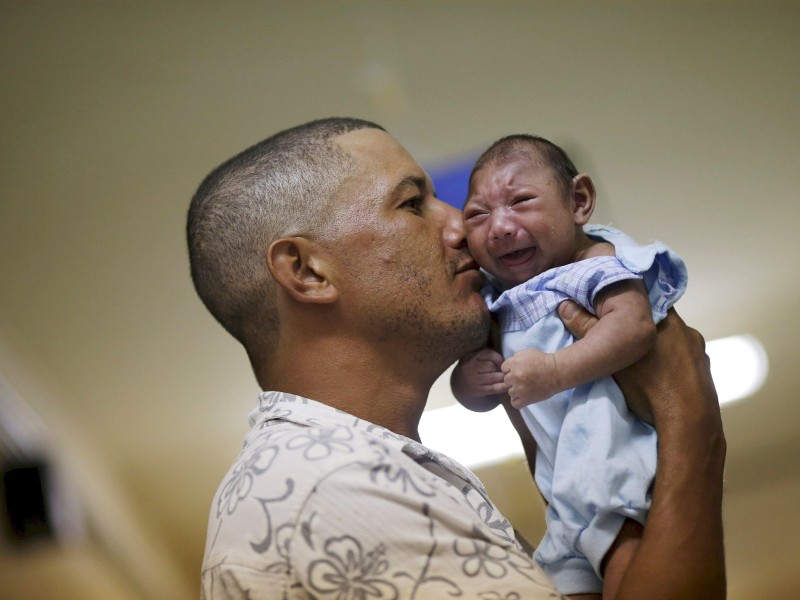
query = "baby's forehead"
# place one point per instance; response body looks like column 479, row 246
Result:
column 527, row 156
column 529, row 160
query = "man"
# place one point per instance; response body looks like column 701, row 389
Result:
column 324, row 251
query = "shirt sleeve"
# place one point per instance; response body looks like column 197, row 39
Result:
column 393, row 530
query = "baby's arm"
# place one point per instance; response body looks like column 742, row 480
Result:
column 624, row 333
column 477, row 381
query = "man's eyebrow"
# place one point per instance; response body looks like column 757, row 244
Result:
column 413, row 181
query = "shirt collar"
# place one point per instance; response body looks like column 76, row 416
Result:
column 281, row 406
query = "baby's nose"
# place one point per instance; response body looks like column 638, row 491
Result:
column 502, row 228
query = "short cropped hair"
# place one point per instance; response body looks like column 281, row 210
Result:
column 281, row 186
column 534, row 148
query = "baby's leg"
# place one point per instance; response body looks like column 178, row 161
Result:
column 619, row 556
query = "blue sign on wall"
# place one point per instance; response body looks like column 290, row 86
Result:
column 450, row 181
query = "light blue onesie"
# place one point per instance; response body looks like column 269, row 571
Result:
column 595, row 461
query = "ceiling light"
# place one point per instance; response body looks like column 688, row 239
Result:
column 471, row 438
column 738, row 366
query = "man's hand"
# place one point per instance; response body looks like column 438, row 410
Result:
column 477, row 381
column 676, row 368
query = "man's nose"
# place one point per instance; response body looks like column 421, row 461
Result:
column 453, row 231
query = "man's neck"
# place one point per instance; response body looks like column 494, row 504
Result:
column 352, row 378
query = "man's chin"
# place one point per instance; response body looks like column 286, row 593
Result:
column 467, row 330
column 479, row 330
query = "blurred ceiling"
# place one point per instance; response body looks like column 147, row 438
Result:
column 684, row 112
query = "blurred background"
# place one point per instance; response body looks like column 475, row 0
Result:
column 122, row 402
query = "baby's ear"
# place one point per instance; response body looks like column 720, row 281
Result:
column 301, row 268
column 583, row 197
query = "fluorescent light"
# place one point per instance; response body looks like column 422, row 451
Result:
column 471, row 438
column 738, row 366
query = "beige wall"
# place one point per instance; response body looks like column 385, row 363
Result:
column 685, row 113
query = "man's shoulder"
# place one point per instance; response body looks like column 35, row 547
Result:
column 307, row 454
column 269, row 484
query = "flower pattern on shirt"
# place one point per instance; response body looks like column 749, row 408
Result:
column 488, row 513
column 318, row 444
column 283, row 539
column 349, row 573
column 385, row 467
column 241, row 480
column 481, row 557
column 265, row 544
column 320, row 504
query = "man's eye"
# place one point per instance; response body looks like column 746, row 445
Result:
column 414, row 204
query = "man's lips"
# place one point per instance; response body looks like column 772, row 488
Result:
column 467, row 265
column 470, row 269
column 517, row 257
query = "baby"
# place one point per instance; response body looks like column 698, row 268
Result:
column 526, row 219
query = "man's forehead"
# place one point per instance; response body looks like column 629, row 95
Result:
column 371, row 142
column 364, row 139
column 379, row 155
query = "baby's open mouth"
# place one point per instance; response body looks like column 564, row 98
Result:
column 518, row 256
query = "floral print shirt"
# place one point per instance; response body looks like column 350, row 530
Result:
column 320, row 504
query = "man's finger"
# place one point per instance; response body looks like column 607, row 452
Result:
column 489, row 356
column 577, row 320
column 497, row 388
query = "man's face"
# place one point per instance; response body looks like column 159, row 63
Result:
column 518, row 222
column 407, row 274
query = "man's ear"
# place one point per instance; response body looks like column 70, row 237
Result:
column 583, row 196
column 300, row 267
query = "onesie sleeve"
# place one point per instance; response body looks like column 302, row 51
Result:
column 663, row 270
column 583, row 280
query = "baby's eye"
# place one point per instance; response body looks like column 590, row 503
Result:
column 473, row 214
column 522, row 199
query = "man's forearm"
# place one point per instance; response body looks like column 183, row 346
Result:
column 681, row 554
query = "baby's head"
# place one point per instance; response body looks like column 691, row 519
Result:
column 525, row 208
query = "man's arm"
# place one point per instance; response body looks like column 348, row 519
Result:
column 681, row 553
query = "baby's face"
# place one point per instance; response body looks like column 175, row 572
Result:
column 518, row 222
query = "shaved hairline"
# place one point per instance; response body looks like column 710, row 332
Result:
column 279, row 187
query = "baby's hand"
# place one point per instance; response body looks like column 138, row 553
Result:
column 477, row 380
column 531, row 376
